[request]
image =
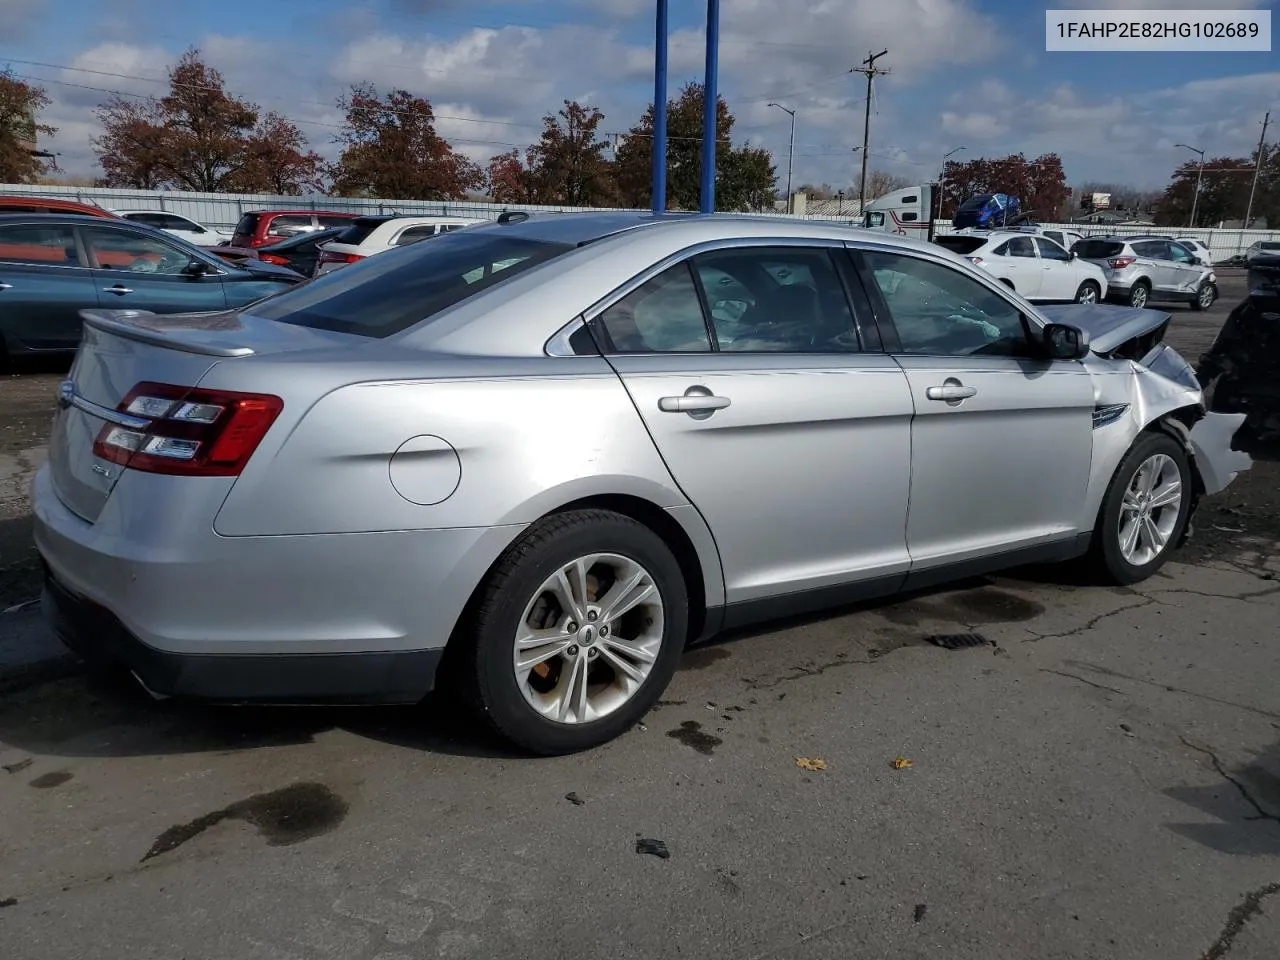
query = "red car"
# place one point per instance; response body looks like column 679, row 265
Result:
column 21, row 203
column 264, row 227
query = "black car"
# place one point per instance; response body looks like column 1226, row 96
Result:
column 52, row 266
column 299, row 253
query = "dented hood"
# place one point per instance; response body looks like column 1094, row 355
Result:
column 1109, row 327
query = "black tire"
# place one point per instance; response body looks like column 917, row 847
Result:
column 1140, row 294
column 1105, row 560
column 1088, row 285
column 485, row 661
column 1204, row 297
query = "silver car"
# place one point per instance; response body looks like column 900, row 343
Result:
column 1142, row 269
column 531, row 460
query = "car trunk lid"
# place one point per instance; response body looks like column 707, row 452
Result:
column 123, row 348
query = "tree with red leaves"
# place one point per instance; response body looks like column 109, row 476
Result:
column 391, row 149
column 20, row 106
column 512, row 178
column 279, row 161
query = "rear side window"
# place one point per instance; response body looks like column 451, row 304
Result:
column 397, row 289
column 359, row 230
column 1153, row 250
column 288, row 225
column 1099, row 249
column 248, row 223
column 1018, row 247
column 960, row 244
column 662, row 315
column 414, row 234
column 31, row 243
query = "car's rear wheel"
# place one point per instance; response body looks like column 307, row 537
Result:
column 1144, row 512
column 1204, row 297
column 1089, row 292
column 1139, row 294
column 577, row 631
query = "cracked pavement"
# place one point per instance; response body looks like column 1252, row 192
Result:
column 1101, row 780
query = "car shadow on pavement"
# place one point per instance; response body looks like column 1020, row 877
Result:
column 1243, row 805
column 90, row 715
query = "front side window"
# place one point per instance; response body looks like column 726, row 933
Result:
column 776, row 300
column 940, row 311
column 120, row 250
column 1050, row 250
column 1181, row 253
column 32, row 243
column 662, row 315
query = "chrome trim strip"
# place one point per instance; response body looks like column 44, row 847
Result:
column 67, row 397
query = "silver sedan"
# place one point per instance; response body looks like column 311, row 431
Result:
column 532, row 460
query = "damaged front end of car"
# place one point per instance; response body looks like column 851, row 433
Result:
column 1142, row 383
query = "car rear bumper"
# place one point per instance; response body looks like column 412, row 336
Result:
column 96, row 634
column 354, row 617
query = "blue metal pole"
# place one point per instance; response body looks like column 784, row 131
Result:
column 712, row 101
column 660, row 111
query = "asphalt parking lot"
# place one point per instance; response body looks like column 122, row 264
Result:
column 1099, row 779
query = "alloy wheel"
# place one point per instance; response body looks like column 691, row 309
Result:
column 589, row 638
column 1150, row 510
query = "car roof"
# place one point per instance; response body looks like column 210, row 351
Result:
column 70, row 206
column 302, row 213
column 582, row 228
column 170, row 213
column 70, row 218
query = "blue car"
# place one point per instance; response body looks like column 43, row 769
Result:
column 52, row 266
column 986, row 210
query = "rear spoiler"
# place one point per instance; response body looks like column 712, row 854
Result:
column 200, row 333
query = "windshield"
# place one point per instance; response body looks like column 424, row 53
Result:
column 248, row 223
column 359, row 230
column 397, row 289
column 973, row 203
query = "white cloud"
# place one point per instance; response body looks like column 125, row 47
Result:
column 975, row 126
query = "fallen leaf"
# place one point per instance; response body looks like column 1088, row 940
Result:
column 811, row 763
column 901, row 763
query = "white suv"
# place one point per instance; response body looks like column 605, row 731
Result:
column 369, row 235
column 1033, row 265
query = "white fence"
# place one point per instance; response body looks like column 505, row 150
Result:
column 224, row 210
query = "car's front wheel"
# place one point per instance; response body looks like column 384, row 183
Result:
column 1144, row 512
column 576, row 632
column 1089, row 292
column 1204, row 297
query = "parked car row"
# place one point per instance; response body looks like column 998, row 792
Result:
column 1135, row 270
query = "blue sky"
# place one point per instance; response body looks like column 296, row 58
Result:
column 964, row 72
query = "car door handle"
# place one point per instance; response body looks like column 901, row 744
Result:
column 118, row 289
column 951, row 392
column 5, row 286
column 693, row 403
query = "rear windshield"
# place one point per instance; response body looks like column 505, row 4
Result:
column 404, row 286
column 359, row 230
column 961, row 245
column 248, row 223
column 1098, row 249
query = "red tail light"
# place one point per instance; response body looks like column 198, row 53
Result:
column 203, row 433
column 273, row 258
column 327, row 256
column 1119, row 263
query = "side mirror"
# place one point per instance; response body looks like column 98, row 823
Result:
column 1065, row 342
column 196, row 268
column 1074, row 255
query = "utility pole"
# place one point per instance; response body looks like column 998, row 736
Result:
column 1195, row 201
column 1262, row 146
column 791, row 153
column 870, row 71
column 660, row 111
